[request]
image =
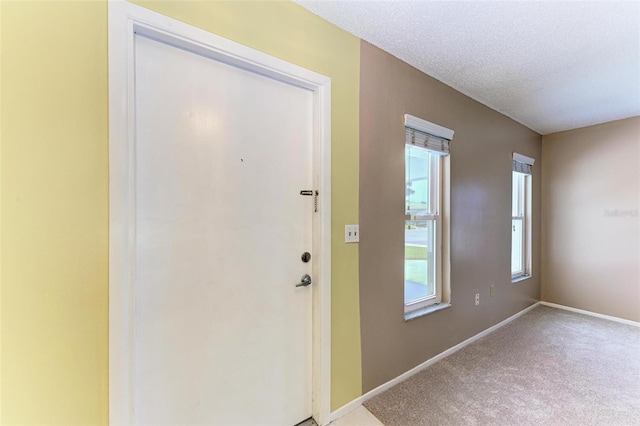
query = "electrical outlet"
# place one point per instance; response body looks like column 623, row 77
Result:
column 492, row 290
column 477, row 299
column 351, row 233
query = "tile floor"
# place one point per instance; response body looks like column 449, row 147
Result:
column 358, row 417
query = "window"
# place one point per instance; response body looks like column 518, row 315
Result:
column 521, row 216
column 426, row 203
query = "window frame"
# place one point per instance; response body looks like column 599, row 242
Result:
column 436, row 202
column 442, row 250
column 523, row 215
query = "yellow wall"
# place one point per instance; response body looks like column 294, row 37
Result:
column 0, row 214
column 54, row 213
column 54, row 175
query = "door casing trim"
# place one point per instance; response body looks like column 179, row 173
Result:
column 125, row 20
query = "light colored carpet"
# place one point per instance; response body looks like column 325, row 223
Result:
column 548, row 367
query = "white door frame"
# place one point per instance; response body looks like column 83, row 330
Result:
column 125, row 20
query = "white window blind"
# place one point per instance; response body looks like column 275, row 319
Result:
column 522, row 163
column 427, row 135
column 432, row 143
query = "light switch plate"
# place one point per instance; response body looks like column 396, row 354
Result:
column 351, row 233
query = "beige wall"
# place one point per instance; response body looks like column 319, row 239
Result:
column 591, row 239
column 480, row 216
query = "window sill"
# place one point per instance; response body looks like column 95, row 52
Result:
column 426, row 311
column 518, row 279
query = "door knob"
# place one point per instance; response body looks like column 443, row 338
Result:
column 304, row 281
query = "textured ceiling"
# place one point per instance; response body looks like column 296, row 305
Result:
column 549, row 65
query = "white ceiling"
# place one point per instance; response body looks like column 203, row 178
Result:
column 549, row 65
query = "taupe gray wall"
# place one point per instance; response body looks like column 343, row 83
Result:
column 480, row 216
column 591, row 238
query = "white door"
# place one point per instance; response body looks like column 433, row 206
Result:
column 222, row 335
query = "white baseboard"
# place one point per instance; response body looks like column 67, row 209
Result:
column 593, row 314
column 360, row 400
